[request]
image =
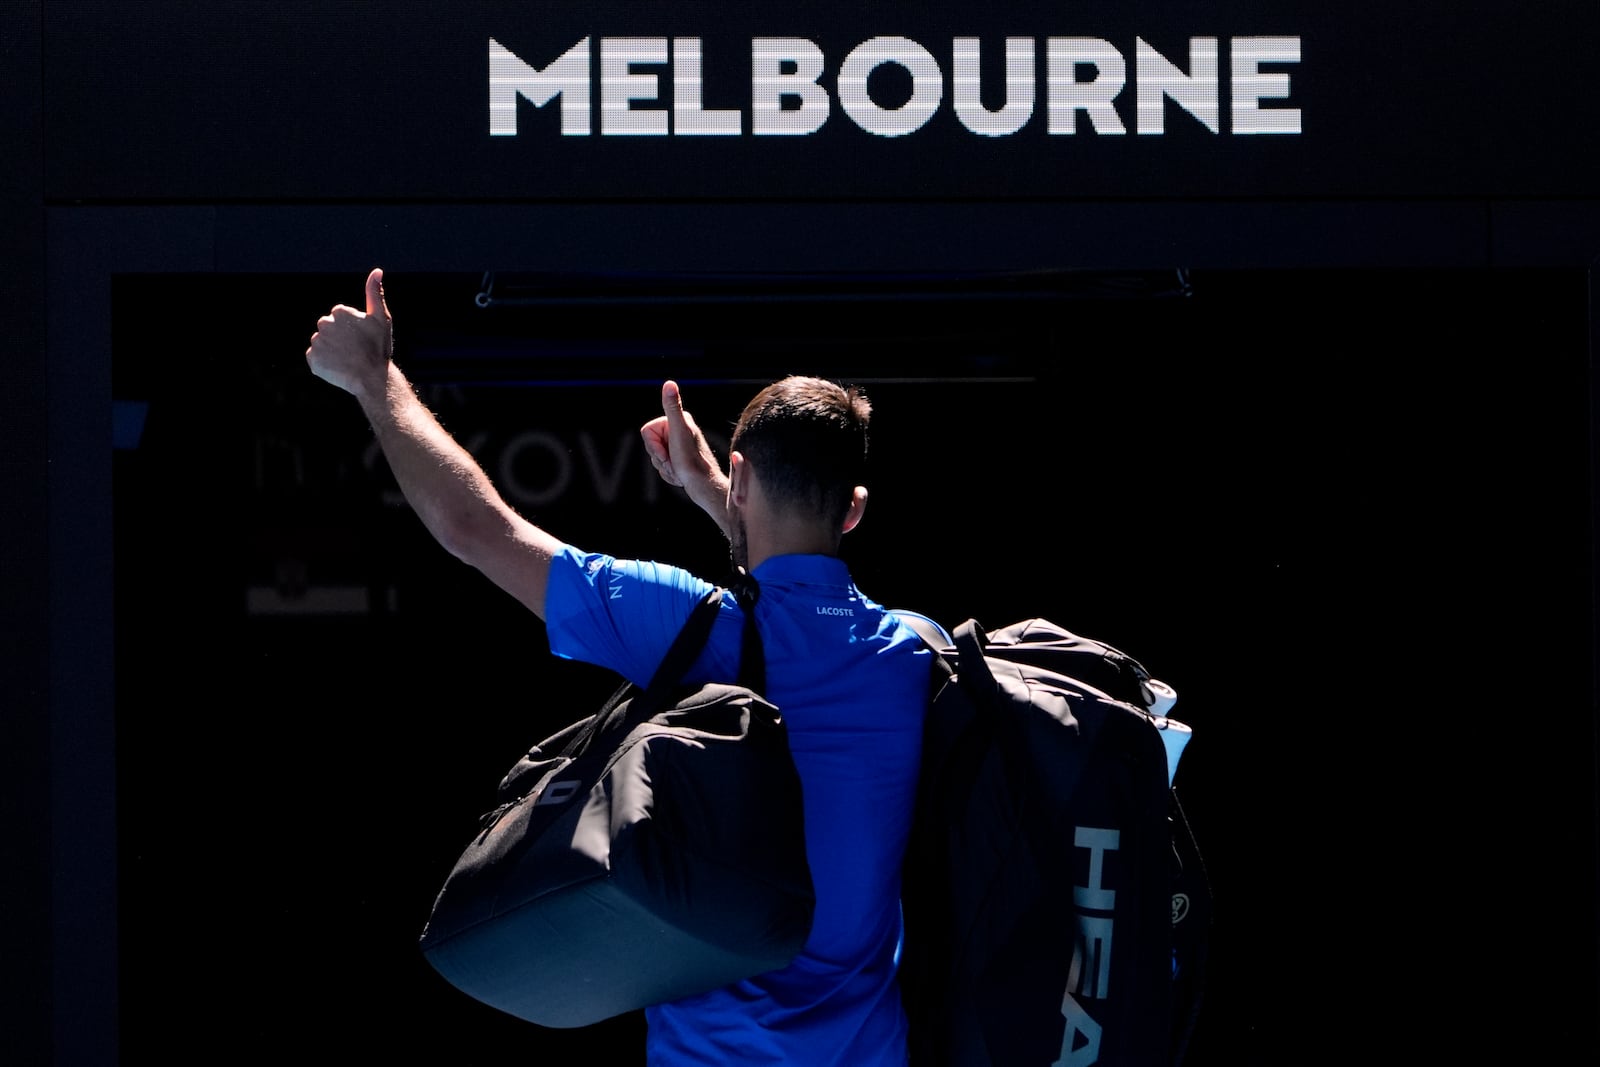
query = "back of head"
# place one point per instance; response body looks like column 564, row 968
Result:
column 807, row 440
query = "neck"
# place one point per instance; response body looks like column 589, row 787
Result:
column 761, row 545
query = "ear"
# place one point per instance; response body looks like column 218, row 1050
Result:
column 858, row 507
column 738, row 479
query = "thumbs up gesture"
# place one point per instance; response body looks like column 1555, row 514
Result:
column 680, row 454
column 352, row 348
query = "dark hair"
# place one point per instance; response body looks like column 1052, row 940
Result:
column 807, row 439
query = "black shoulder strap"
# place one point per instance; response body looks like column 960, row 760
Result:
column 752, row 660
column 683, row 651
column 623, row 713
column 686, row 647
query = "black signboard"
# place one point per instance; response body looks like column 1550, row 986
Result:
column 394, row 100
column 1290, row 304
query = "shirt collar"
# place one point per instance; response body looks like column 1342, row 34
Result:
column 820, row 570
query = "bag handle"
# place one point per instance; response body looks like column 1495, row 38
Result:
column 973, row 668
column 947, row 782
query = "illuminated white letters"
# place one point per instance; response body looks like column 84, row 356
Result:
column 567, row 77
column 620, row 86
column 1195, row 92
column 927, row 86
column 770, row 85
column 687, row 115
column 1250, row 85
column 788, row 99
column 1018, row 107
column 1068, row 95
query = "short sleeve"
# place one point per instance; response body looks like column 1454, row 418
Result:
column 618, row 614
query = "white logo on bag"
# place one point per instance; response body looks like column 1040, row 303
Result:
column 1180, row 907
column 558, row 793
column 1090, row 971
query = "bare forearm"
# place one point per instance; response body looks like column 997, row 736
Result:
column 444, row 485
column 711, row 496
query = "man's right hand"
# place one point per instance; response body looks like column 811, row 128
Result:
column 680, row 454
column 441, row 481
column 352, row 349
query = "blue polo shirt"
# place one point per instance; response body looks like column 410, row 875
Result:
column 851, row 681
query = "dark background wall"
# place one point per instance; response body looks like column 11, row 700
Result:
column 1342, row 545
column 1339, row 494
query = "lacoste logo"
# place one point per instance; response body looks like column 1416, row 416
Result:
column 822, row 610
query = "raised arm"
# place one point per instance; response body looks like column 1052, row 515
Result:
column 440, row 479
column 680, row 454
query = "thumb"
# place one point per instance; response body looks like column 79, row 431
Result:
column 375, row 303
column 672, row 404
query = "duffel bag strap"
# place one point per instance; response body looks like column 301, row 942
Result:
column 624, row 714
column 752, row 660
column 621, row 711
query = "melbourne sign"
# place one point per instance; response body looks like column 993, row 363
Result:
column 654, row 87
